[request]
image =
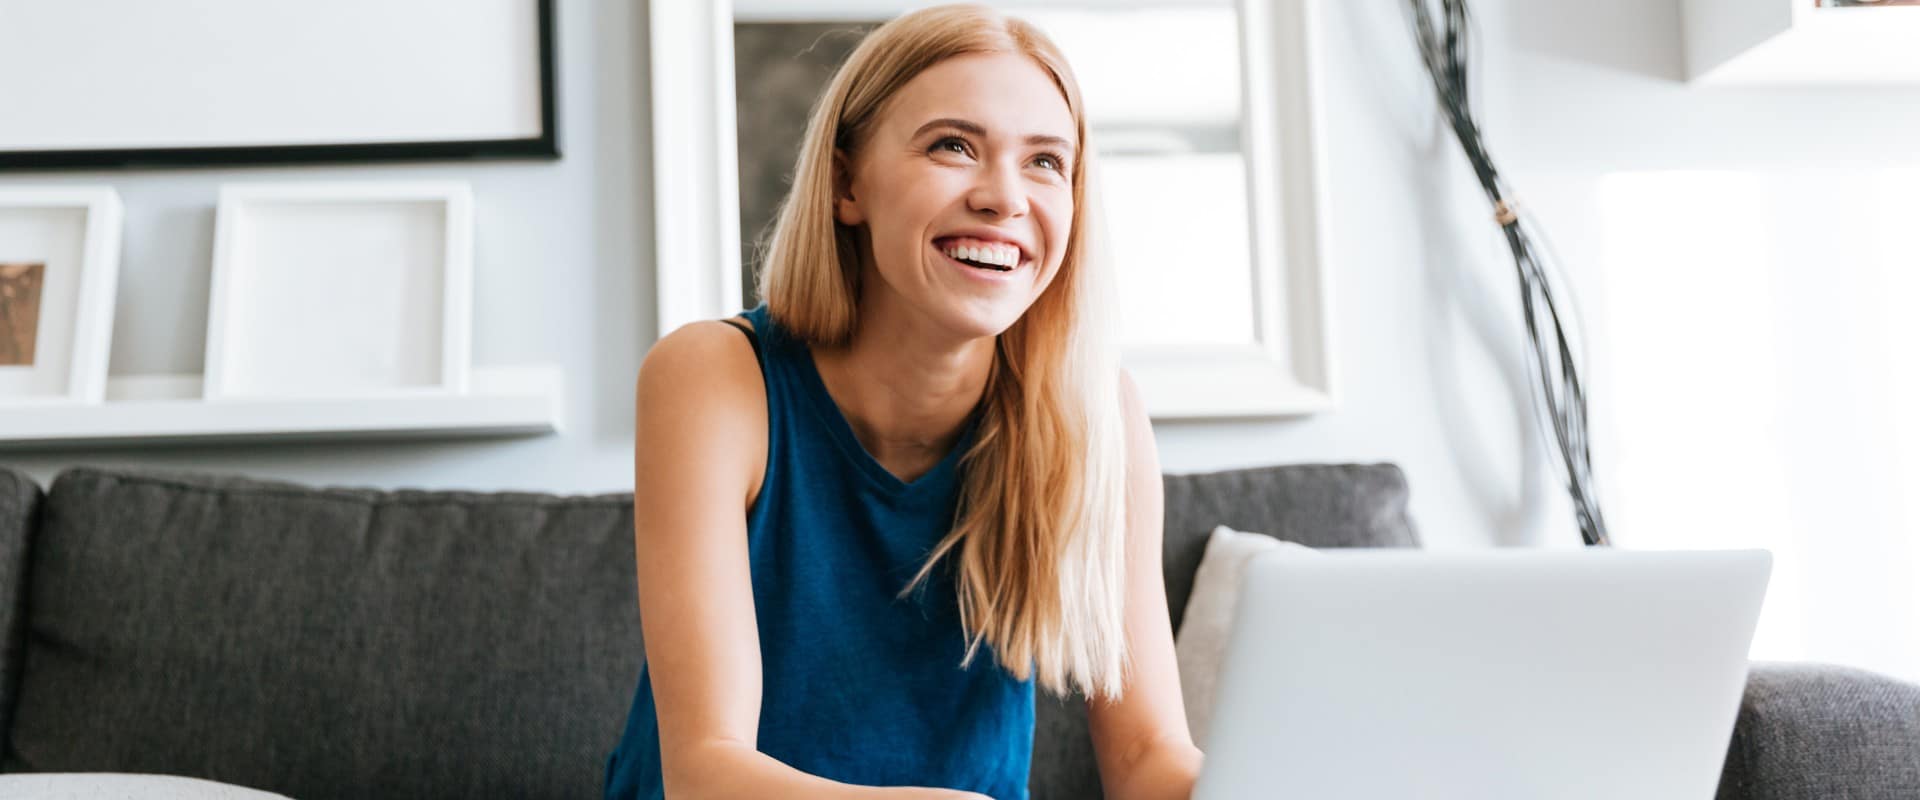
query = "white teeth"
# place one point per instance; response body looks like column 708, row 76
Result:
column 1000, row 255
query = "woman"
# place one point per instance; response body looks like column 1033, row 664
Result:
column 873, row 512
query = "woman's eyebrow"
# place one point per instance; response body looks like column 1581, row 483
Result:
column 976, row 129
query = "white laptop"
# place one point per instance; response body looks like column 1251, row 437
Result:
column 1501, row 674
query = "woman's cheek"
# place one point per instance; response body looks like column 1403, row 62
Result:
column 1058, row 229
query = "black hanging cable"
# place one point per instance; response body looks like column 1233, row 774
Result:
column 1444, row 52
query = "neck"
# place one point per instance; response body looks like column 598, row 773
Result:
column 905, row 386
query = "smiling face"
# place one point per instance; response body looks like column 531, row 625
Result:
column 972, row 158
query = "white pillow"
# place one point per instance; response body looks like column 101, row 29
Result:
column 1204, row 627
column 121, row 786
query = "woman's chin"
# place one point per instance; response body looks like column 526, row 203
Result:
column 984, row 319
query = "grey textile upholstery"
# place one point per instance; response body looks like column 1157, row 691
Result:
column 327, row 643
column 1318, row 505
column 1823, row 732
column 334, row 643
column 19, row 518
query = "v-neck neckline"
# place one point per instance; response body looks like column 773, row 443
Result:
column 850, row 445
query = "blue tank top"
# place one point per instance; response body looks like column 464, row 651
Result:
column 858, row 686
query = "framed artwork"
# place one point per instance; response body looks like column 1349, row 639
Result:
column 59, row 265
column 237, row 82
column 340, row 290
column 1240, row 329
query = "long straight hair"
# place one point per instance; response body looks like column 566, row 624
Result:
column 1039, row 541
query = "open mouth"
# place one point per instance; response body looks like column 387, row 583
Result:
column 1005, row 259
column 983, row 265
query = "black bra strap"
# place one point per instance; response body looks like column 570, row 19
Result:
column 748, row 330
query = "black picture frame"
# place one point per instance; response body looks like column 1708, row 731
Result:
column 544, row 146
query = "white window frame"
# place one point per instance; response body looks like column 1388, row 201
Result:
column 1288, row 369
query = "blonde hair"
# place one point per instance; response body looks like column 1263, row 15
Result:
column 1040, row 535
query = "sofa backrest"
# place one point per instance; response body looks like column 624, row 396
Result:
column 327, row 643
column 1318, row 505
column 358, row 643
column 19, row 516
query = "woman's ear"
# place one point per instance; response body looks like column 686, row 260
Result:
column 846, row 210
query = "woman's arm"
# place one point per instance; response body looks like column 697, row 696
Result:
column 1141, row 741
column 700, row 438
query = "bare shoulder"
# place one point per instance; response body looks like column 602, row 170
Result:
column 709, row 358
column 1143, row 458
column 1133, row 409
column 705, row 363
column 1130, row 396
column 700, row 399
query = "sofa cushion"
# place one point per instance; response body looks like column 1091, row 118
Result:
column 20, row 501
column 1813, row 731
column 1318, row 505
column 327, row 643
column 1201, row 646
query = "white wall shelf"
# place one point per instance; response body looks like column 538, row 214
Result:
column 1789, row 42
column 168, row 409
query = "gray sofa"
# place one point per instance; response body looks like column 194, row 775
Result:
column 355, row 643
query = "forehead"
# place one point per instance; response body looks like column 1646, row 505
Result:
column 1009, row 94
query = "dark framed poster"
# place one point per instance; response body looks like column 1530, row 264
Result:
column 108, row 83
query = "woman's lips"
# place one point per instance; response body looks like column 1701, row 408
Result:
column 984, row 273
column 981, row 250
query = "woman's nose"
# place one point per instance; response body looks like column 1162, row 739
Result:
column 999, row 192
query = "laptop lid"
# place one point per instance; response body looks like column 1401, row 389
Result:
column 1501, row 673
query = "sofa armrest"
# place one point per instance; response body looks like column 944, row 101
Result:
column 1823, row 731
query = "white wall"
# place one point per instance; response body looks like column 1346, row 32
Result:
column 1427, row 330
column 1573, row 94
column 1750, row 255
column 1427, row 327
column 561, row 275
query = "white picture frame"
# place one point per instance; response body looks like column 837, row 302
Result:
column 233, row 82
column 73, row 234
column 1287, row 369
column 327, row 290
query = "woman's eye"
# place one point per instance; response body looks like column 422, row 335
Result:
column 951, row 144
column 1052, row 162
